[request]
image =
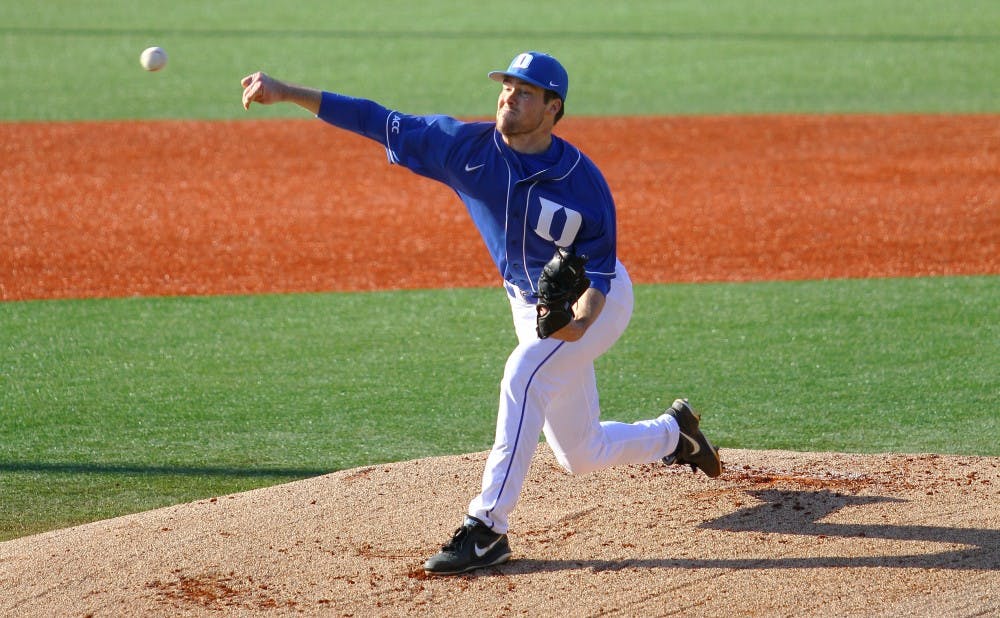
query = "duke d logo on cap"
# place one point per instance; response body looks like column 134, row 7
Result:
column 539, row 69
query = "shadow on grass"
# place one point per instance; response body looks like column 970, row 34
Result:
column 165, row 470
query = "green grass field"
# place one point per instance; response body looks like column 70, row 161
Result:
column 115, row 406
column 121, row 405
column 67, row 60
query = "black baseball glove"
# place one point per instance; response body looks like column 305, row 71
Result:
column 559, row 286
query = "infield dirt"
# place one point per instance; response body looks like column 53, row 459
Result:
column 166, row 208
column 178, row 208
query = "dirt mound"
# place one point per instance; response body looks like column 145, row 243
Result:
column 779, row 533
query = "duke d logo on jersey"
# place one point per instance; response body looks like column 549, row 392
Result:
column 557, row 223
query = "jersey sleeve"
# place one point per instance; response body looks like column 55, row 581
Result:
column 601, row 265
column 360, row 116
column 419, row 143
column 600, row 245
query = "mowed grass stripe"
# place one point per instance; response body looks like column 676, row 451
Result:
column 74, row 60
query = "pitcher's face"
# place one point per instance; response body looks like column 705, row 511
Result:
column 522, row 110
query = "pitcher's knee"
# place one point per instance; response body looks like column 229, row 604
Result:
column 577, row 463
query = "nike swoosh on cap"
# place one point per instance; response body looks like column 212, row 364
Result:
column 553, row 85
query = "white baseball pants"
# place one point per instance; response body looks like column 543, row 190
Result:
column 549, row 386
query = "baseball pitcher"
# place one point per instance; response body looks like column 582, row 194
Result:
column 547, row 218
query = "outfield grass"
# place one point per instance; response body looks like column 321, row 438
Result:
column 66, row 60
column 115, row 406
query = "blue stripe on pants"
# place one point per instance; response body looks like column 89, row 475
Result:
column 520, row 424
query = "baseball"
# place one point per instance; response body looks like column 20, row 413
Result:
column 153, row 58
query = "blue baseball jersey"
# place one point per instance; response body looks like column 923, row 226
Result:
column 524, row 206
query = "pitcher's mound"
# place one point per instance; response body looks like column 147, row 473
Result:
column 779, row 533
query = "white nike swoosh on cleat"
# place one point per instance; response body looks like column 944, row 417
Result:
column 482, row 551
column 472, row 168
column 694, row 443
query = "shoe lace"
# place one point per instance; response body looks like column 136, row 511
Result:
column 456, row 539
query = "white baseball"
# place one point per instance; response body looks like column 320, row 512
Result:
column 153, row 58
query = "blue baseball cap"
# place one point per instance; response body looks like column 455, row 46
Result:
column 539, row 69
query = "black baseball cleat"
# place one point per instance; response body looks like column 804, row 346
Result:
column 473, row 546
column 693, row 448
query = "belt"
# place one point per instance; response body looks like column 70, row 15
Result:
column 515, row 292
